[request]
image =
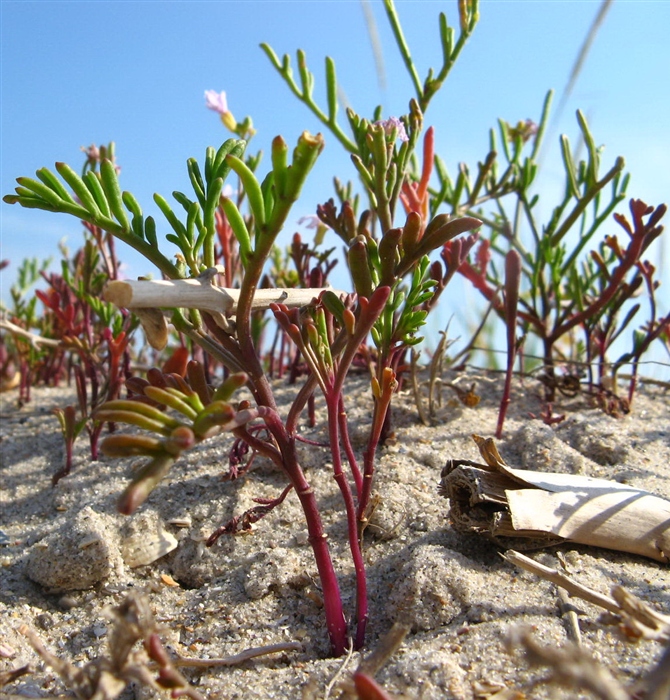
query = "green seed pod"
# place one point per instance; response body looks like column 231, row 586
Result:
column 359, row 266
column 389, row 256
column 410, row 235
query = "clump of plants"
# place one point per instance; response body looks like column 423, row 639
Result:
column 419, row 226
column 77, row 336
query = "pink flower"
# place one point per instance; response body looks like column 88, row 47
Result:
column 391, row 124
column 216, row 101
column 310, row 221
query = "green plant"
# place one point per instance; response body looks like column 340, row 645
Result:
column 216, row 294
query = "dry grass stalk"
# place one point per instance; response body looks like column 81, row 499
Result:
column 369, row 666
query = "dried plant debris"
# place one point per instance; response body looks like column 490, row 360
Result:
column 362, row 683
column 638, row 620
column 511, row 505
column 151, row 665
column 106, row 677
column 571, row 666
column 7, row 677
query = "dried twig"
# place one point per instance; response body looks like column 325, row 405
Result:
column 7, row 677
column 34, row 339
column 639, row 620
column 236, row 659
column 342, row 668
column 199, row 294
column 570, row 666
column 563, row 580
column 388, row 645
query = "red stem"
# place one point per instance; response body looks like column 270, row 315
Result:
column 512, row 283
column 332, row 600
column 351, row 457
column 335, row 401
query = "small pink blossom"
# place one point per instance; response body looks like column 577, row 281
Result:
column 92, row 153
column 216, row 101
column 394, row 123
column 310, row 221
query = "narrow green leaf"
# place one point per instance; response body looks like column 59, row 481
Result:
column 280, row 165
column 240, row 230
column 79, row 188
column 195, row 176
column 446, row 38
column 137, row 226
column 504, row 137
column 39, row 188
column 213, row 194
column 251, row 187
column 542, row 126
column 150, row 231
column 331, row 86
column 569, row 164
column 132, row 204
column 182, row 199
column 306, row 78
column 91, row 180
column 334, row 304
column 592, row 172
column 131, row 445
column 210, row 156
column 230, row 386
column 177, row 225
column 132, row 418
column 170, row 399
column 110, row 184
column 217, row 415
column 50, row 180
column 140, row 408
column 143, row 483
column 221, row 168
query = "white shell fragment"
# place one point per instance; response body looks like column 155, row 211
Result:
column 186, row 521
column 146, row 541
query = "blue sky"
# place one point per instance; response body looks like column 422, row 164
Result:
column 77, row 73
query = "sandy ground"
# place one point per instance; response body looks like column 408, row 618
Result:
column 454, row 591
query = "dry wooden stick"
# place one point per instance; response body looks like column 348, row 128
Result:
column 199, row 294
column 32, row 338
column 147, row 297
column 562, row 580
column 639, row 619
column 245, row 655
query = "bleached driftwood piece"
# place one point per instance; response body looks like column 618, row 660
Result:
column 503, row 502
column 147, row 297
column 196, row 294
